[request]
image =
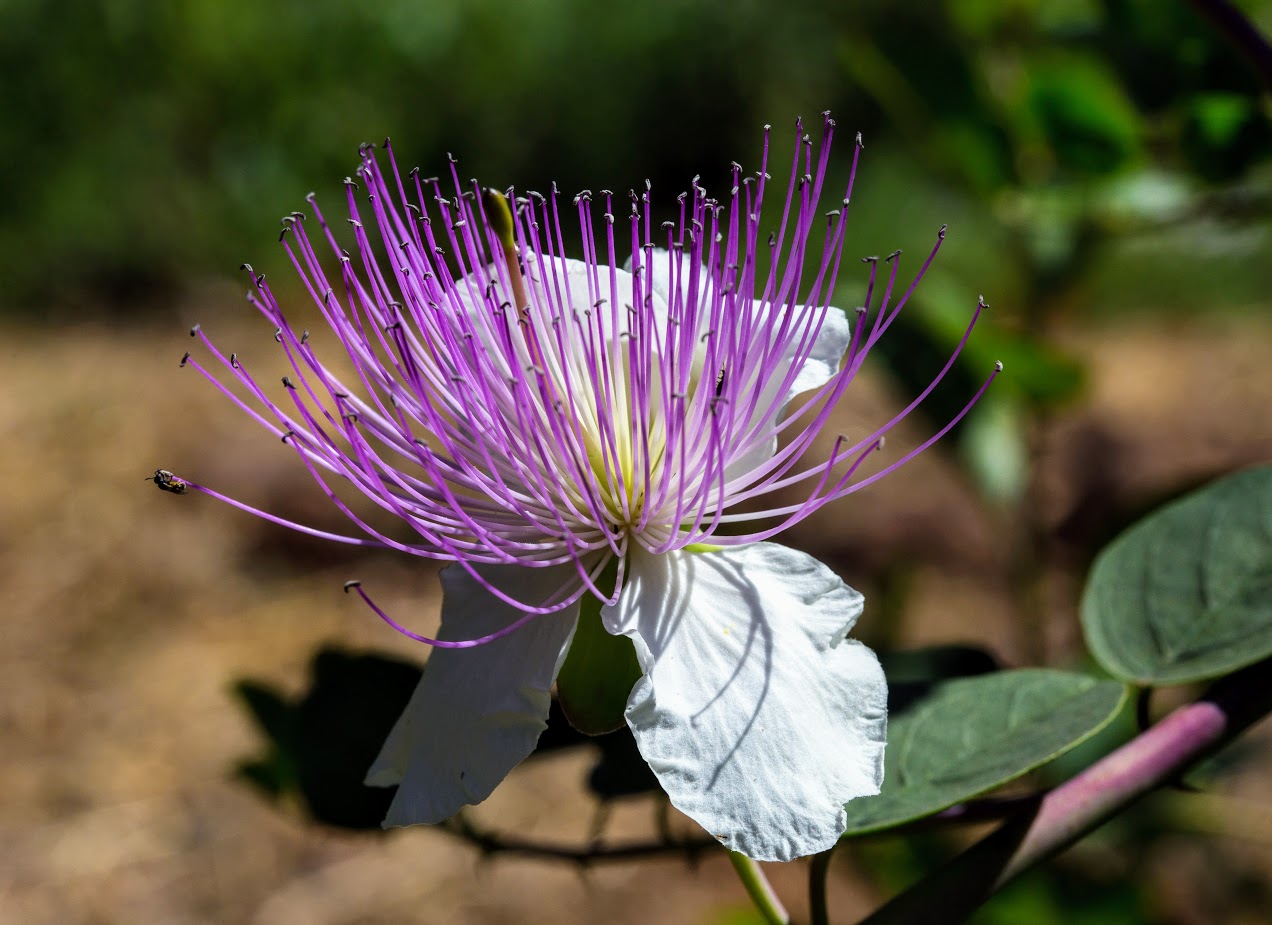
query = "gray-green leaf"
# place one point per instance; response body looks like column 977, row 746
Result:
column 971, row 735
column 1186, row 594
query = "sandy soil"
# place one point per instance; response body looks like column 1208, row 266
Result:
column 127, row 613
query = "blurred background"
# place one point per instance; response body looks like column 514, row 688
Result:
column 1102, row 166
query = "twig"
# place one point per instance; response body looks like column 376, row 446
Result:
column 491, row 843
column 1240, row 32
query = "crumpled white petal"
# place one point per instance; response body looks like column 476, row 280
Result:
column 477, row 712
column 819, row 364
column 759, row 718
column 816, row 369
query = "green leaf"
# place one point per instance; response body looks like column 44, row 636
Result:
column 971, row 735
column 1083, row 112
column 1186, row 593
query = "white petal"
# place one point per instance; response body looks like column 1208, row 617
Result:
column 816, row 369
column 822, row 359
column 818, row 365
column 758, row 717
column 477, row 712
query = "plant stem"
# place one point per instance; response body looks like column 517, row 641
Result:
column 1154, row 758
column 758, row 888
column 817, row 871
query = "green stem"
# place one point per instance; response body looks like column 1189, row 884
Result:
column 817, row 871
column 758, row 888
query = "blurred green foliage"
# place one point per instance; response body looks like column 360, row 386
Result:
column 151, row 144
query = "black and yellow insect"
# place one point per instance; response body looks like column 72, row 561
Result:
column 167, row 481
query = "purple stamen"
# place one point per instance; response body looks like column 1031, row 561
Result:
column 514, row 407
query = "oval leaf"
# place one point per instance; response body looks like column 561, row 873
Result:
column 1186, row 594
column 971, row 735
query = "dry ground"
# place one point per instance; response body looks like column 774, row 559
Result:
column 127, row 612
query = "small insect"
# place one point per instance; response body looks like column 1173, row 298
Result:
column 167, row 481
column 719, row 386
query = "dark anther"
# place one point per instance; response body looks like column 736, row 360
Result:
column 940, row 233
column 194, row 331
column 772, row 239
column 893, row 256
column 234, row 364
column 311, row 196
column 350, row 585
column 980, row 302
column 340, row 394
column 245, row 266
column 414, row 208
column 452, row 158
column 185, row 356
column 351, row 417
column 278, row 335
column 282, row 234
column 260, row 278
column 299, row 215
column 832, row 213
column 290, row 433
column 414, row 172
column 861, row 310
column 669, row 224
column 998, row 366
column 288, row 219
column 767, row 127
column 354, row 222
column 304, row 337
column 874, row 259
column 348, row 181
column 860, row 143
column 326, row 296
column 288, row 383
